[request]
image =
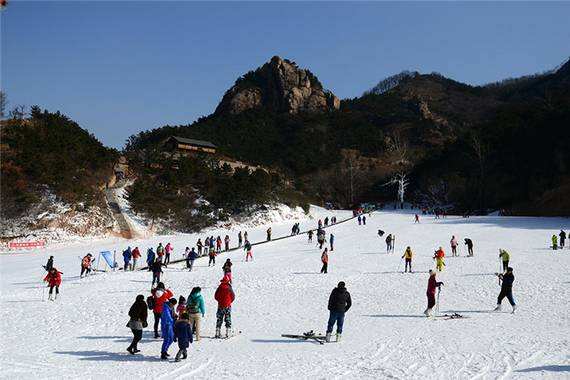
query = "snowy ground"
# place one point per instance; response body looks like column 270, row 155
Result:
column 83, row 334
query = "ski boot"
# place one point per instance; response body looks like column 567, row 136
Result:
column 163, row 356
column 177, row 358
column 218, row 333
column 338, row 337
column 184, row 354
column 328, row 337
column 50, row 298
column 514, row 309
column 498, row 308
column 228, row 332
column 427, row 312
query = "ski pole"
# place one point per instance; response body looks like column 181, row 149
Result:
column 437, row 303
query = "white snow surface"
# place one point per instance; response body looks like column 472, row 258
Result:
column 83, row 333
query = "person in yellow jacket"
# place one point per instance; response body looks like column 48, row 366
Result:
column 408, row 254
column 439, row 256
column 505, row 257
column 554, row 242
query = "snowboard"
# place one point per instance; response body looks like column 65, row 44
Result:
column 306, row 336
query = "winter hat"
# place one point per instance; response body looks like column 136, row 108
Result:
column 341, row 284
column 509, row 269
column 172, row 301
column 140, row 297
column 160, row 285
column 431, row 272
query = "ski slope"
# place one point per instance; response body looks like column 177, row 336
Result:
column 83, row 333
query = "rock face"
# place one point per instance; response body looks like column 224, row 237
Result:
column 281, row 86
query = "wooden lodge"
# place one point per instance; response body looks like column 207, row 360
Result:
column 185, row 146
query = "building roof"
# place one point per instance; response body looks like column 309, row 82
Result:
column 202, row 143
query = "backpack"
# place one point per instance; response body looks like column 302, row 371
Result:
column 192, row 306
column 150, row 302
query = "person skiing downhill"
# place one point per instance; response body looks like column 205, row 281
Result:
column 469, row 244
column 562, row 236
column 49, row 264
column 86, row 265
column 506, row 289
column 433, row 284
column 339, row 303
column 453, row 243
column 138, row 320
column 505, row 258
column 248, row 250
column 225, row 296
column 167, row 327
column 439, row 259
column 408, row 256
column 325, row 261
column 53, row 279
column 196, row 310
column 183, row 335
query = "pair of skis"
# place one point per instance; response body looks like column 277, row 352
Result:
column 309, row 335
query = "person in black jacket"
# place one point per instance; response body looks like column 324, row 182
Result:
column 138, row 314
column 562, row 236
column 506, row 289
column 469, row 244
column 156, row 271
column 49, row 264
column 339, row 303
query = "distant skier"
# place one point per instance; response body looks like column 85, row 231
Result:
column 192, row 255
column 199, row 245
column 389, row 246
column 53, row 279
column 331, row 242
column 211, row 256
column 310, row 235
column 156, row 268
column 562, row 236
column 506, row 289
column 433, row 284
column 138, row 314
column 269, row 234
column 227, row 243
column 136, row 254
column 408, row 254
column 159, row 296
column 227, row 268
column 240, row 239
column 453, row 243
column 469, row 244
column 417, row 219
column 167, row 251
column 505, row 258
column 364, row 220
column 183, row 335
column 167, row 327
column 439, row 257
column 245, row 235
column 320, row 224
column 327, row 221
column 86, row 265
column 218, row 244
column 554, row 242
column 339, row 303
column 248, row 251
column 225, row 296
column 49, row 264
column 150, row 256
column 359, row 220
column 325, row 261
column 196, row 309
column 127, row 255
column 160, row 250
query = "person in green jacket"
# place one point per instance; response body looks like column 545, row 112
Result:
column 505, row 257
column 196, row 310
column 554, row 242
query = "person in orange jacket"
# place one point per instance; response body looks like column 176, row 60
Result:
column 325, row 260
column 53, row 278
column 439, row 256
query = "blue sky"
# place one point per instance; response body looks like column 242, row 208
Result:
column 118, row 68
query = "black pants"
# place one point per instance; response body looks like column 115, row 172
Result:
column 156, row 323
column 431, row 300
column 155, row 278
column 505, row 265
column 408, row 263
column 126, row 266
column 167, row 259
column 470, row 251
column 137, row 336
column 212, row 260
column 85, row 270
column 56, row 289
column 506, row 292
column 324, row 268
column 562, row 241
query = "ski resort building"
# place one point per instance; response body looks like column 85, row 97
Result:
column 185, row 146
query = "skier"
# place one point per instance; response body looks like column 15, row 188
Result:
column 506, row 289
column 136, row 256
column 321, row 238
column 562, row 236
column 439, row 259
column 159, row 297
column 505, row 257
column 310, row 235
column 364, row 220
column 127, row 254
column 49, row 264
column 240, row 239
column 331, row 242
column 196, row 310
column 554, row 242
column 227, row 268
column 138, row 320
column 227, row 243
column 225, row 296
column 167, row 251
column 183, row 334
column 327, row 221
column 388, row 243
column 53, row 279
column 320, row 224
column 408, row 256
column 212, row 256
column 453, row 243
column 432, row 285
column 218, row 244
column 192, row 255
column 156, row 268
column 359, row 220
column 269, row 234
column 150, row 256
column 160, row 250
column 469, row 244
column 200, row 246
column 248, row 251
column 245, row 235
column 417, row 219
column 86, row 265
column 325, row 261
column 167, row 327
column 293, row 229
column 339, row 303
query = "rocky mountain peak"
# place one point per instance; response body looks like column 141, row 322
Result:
column 279, row 85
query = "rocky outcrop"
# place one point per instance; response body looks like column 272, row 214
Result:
column 281, row 86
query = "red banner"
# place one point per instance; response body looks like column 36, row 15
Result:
column 26, row 244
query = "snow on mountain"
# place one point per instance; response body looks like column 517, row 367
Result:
column 83, row 333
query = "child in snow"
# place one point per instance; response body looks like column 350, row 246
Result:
column 506, row 289
column 136, row 256
column 182, row 334
column 181, row 308
column 86, row 265
column 160, row 296
column 430, row 293
column 227, row 268
column 310, row 235
column 212, row 256
column 167, row 327
column 248, row 251
column 167, row 251
column 439, row 259
column 408, row 256
column 325, row 261
column 53, row 278
column 192, row 255
column 331, row 242
column 225, row 296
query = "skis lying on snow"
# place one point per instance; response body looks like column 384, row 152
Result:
column 450, row 316
column 233, row 334
column 306, row 336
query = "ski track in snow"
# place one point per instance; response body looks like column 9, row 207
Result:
column 83, row 333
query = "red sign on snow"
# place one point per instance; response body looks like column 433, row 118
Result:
column 26, row 244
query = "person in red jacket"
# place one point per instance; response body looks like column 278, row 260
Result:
column 160, row 296
column 225, row 296
column 53, row 278
column 432, row 286
column 136, row 254
column 325, row 260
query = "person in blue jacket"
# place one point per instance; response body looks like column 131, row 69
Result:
column 192, row 255
column 183, row 335
column 149, row 259
column 331, row 242
column 127, row 255
column 167, row 327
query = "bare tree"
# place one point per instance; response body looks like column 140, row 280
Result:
column 18, row 112
column 397, row 148
column 3, row 103
column 401, row 180
column 480, row 152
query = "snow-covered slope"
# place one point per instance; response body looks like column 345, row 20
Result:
column 83, row 334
